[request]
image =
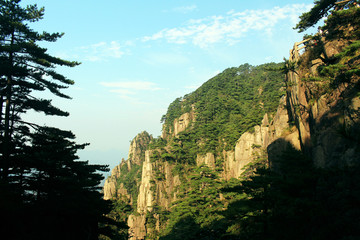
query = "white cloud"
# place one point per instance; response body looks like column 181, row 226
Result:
column 132, row 85
column 129, row 90
column 102, row 51
column 185, row 9
column 122, row 91
column 231, row 27
column 161, row 59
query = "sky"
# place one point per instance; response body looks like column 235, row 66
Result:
column 138, row 56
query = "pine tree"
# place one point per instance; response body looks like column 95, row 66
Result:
column 193, row 215
column 63, row 191
column 25, row 67
column 320, row 9
column 46, row 192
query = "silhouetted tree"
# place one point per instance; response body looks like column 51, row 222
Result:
column 46, row 192
column 295, row 200
column 320, row 9
column 25, row 67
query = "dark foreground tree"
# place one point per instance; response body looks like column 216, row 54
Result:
column 321, row 9
column 45, row 191
column 60, row 197
column 25, row 67
column 295, row 200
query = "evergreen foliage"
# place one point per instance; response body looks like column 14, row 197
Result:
column 343, row 24
column 25, row 67
column 292, row 199
column 226, row 106
column 191, row 217
column 115, row 228
column 57, row 196
column 287, row 198
column 344, row 66
column 320, row 9
column 296, row 201
column 46, row 191
column 131, row 179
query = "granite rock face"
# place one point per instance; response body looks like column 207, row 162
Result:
column 208, row 159
column 136, row 156
column 137, row 148
column 145, row 197
column 328, row 124
column 180, row 124
column 109, row 189
column 252, row 144
column 137, row 230
column 325, row 128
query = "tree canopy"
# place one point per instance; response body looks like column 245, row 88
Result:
column 226, row 106
column 25, row 68
column 46, row 191
column 320, row 9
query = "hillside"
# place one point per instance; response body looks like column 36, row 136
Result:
column 257, row 152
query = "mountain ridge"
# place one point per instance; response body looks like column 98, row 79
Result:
column 235, row 128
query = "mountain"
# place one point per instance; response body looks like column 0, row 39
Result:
column 257, row 152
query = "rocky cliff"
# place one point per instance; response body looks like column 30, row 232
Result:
column 116, row 184
column 252, row 144
column 327, row 117
column 318, row 118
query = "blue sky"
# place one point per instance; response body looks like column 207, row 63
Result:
column 138, row 56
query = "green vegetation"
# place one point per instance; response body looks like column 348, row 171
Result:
column 115, row 228
column 319, row 10
column 290, row 200
column 226, row 106
column 322, row 8
column 130, row 179
column 280, row 195
column 199, row 203
column 127, row 181
column 342, row 67
column 295, row 201
column 343, row 24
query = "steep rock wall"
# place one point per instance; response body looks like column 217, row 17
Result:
column 328, row 125
column 158, row 182
column 145, row 198
column 137, row 230
column 326, row 128
column 166, row 182
column 112, row 188
column 207, row 159
column 109, row 189
column 180, row 124
column 251, row 144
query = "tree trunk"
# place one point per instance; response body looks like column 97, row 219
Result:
column 8, row 94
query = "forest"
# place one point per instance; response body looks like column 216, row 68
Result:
column 285, row 192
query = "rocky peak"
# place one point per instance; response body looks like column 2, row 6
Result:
column 112, row 188
column 138, row 147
